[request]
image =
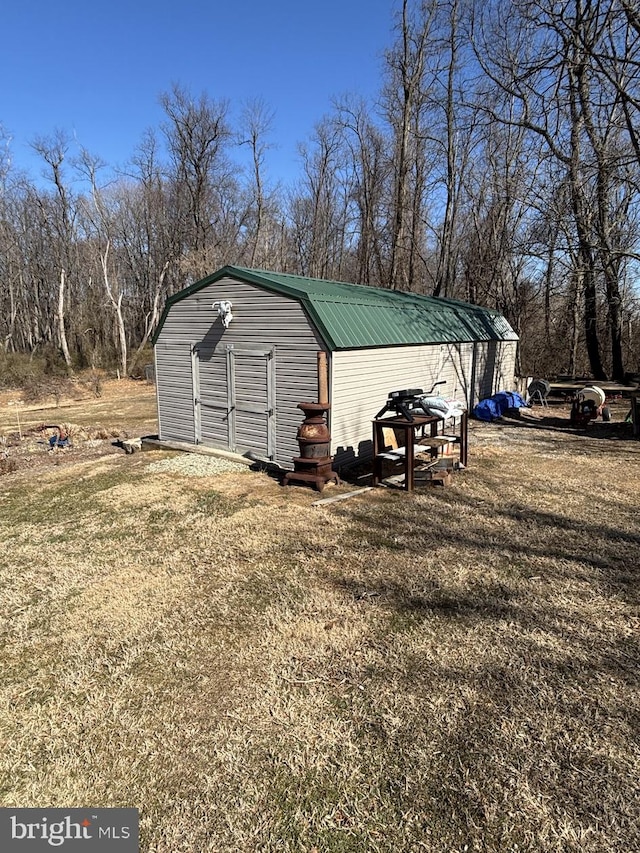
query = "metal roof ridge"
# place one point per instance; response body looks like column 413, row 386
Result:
column 374, row 291
column 320, row 297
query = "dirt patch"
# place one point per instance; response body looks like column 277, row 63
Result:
column 124, row 409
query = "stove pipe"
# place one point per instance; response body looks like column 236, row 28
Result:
column 313, row 436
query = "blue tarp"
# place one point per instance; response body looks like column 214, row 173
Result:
column 494, row 407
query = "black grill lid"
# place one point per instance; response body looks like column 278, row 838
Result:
column 405, row 394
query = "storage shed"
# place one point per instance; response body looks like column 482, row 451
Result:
column 236, row 352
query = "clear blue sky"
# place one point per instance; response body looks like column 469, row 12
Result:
column 96, row 69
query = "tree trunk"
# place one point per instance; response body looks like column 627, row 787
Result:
column 445, row 269
column 116, row 304
column 151, row 321
column 574, row 313
column 614, row 302
column 62, row 335
column 13, row 313
column 409, row 64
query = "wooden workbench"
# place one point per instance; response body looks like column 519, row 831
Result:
column 422, row 434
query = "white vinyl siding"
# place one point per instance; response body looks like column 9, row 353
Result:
column 505, row 368
column 493, row 369
column 362, row 379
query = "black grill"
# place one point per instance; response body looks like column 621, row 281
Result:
column 408, row 402
column 402, row 403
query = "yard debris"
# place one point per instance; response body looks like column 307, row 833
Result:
column 343, row 497
column 494, row 407
column 130, row 445
column 95, row 412
column 60, row 439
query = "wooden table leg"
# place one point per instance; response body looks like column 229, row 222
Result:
column 409, row 459
column 464, row 450
column 377, row 462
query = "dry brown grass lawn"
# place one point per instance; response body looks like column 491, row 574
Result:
column 443, row 671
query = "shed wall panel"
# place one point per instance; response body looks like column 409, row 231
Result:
column 212, row 392
column 362, row 379
column 494, row 368
column 506, row 366
column 174, row 390
column 262, row 320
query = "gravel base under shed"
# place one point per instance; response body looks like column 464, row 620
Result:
column 195, row 465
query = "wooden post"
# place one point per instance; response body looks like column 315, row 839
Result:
column 635, row 413
column 323, row 379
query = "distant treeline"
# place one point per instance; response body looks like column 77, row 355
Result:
column 500, row 164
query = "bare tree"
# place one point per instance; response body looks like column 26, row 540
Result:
column 455, row 140
column 368, row 164
column 405, row 100
column 501, row 164
column 61, row 224
column 103, row 221
column 197, row 133
column 255, row 124
column 149, row 245
column 319, row 206
column 543, row 57
column 11, row 256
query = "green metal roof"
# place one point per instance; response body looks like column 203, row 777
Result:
column 351, row 316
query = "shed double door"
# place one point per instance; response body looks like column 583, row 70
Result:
column 234, row 399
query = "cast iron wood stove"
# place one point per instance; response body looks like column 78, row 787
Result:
column 313, row 466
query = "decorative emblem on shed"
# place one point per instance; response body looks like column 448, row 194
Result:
column 223, row 307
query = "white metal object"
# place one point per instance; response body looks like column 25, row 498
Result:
column 594, row 394
column 223, row 307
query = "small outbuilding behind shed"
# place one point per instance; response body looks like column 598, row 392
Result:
column 236, row 352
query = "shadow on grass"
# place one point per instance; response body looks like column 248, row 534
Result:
column 520, row 731
column 612, row 431
column 517, row 690
column 561, row 542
